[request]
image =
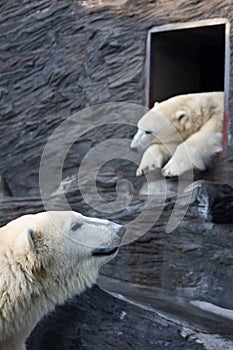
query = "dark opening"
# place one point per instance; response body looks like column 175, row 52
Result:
column 185, row 61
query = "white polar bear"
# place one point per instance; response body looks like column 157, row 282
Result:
column 45, row 259
column 186, row 128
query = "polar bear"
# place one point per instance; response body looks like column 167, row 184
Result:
column 187, row 129
column 45, row 259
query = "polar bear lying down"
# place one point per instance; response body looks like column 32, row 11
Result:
column 187, row 129
column 45, row 259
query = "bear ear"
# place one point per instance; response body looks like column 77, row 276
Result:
column 156, row 104
column 25, row 242
column 181, row 116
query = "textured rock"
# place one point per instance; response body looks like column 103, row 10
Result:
column 4, row 188
column 215, row 201
column 62, row 56
column 99, row 321
column 194, row 262
column 58, row 58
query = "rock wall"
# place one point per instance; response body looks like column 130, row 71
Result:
column 57, row 58
column 98, row 321
column 62, row 56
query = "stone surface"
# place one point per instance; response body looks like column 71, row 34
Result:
column 98, row 321
column 58, row 58
column 215, row 201
column 162, row 272
column 62, row 56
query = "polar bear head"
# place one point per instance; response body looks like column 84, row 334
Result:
column 63, row 240
column 171, row 121
column 45, row 259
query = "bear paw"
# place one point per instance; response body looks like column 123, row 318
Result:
column 139, row 172
column 175, row 168
column 142, row 171
column 166, row 172
column 171, row 169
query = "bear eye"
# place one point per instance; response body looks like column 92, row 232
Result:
column 76, row 226
column 148, row 132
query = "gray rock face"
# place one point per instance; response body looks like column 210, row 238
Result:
column 96, row 320
column 58, row 58
column 162, row 272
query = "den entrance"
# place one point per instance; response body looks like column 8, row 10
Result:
column 185, row 58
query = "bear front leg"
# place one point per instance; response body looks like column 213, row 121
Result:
column 196, row 151
column 153, row 157
column 180, row 162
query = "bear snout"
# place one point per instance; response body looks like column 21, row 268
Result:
column 133, row 148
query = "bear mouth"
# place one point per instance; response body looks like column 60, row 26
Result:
column 104, row 251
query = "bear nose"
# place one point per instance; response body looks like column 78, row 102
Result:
column 133, row 148
column 121, row 231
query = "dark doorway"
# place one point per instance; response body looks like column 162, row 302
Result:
column 185, row 60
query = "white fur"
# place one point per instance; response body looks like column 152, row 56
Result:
column 187, row 128
column 46, row 259
column 154, row 157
